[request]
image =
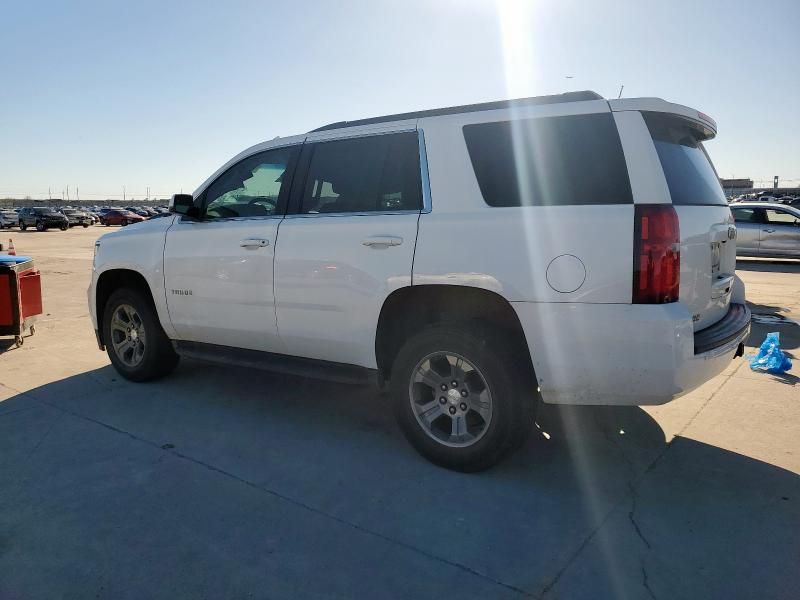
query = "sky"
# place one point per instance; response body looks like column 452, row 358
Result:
column 102, row 95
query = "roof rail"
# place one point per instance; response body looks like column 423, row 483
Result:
column 452, row 110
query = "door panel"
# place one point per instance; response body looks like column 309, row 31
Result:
column 218, row 281
column 747, row 238
column 218, row 268
column 748, row 229
column 348, row 245
column 332, row 275
column 780, row 235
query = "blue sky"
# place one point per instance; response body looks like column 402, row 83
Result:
column 105, row 94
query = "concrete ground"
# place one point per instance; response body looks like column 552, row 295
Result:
column 227, row 483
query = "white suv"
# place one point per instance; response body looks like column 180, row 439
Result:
column 464, row 256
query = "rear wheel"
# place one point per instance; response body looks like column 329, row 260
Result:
column 136, row 344
column 124, row 222
column 23, row 226
column 463, row 397
column 64, row 227
column 85, row 225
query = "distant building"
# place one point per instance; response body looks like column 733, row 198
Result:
column 736, row 184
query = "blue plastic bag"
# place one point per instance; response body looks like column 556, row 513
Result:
column 770, row 357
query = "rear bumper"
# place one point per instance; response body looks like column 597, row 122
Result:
column 731, row 327
column 625, row 354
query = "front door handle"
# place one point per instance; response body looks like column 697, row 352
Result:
column 382, row 241
column 254, row 243
column 769, row 231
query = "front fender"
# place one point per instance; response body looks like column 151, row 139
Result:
column 138, row 248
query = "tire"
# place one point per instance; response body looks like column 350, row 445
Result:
column 124, row 222
column 40, row 226
column 505, row 374
column 85, row 225
column 64, row 227
column 23, row 226
column 157, row 357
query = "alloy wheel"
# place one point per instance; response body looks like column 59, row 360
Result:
column 128, row 335
column 450, row 399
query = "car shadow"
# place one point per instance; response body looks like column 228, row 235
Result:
column 768, row 265
column 276, row 483
column 767, row 318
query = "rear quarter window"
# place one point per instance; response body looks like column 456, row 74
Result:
column 571, row 160
column 690, row 175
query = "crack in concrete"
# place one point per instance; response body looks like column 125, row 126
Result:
column 42, row 439
column 646, row 583
column 632, row 519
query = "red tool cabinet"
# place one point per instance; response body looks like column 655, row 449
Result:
column 20, row 296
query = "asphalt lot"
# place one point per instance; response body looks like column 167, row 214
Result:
column 226, row 483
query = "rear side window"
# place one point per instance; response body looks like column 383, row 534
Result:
column 690, row 175
column 550, row 161
column 378, row 173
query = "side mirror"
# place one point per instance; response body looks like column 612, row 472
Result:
column 183, row 204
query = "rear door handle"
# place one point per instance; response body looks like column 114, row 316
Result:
column 254, row 243
column 381, row 241
column 769, row 231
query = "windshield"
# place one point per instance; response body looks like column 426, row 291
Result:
column 690, row 175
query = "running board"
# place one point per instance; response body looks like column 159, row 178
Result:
column 277, row 363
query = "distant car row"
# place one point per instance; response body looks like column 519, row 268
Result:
column 43, row 218
column 785, row 199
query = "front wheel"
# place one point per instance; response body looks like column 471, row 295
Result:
column 40, row 226
column 136, row 344
column 64, row 227
column 124, row 222
column 23, row 226
column 463, row 396
column 85, row 225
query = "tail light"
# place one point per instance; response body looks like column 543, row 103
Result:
column 656, row 254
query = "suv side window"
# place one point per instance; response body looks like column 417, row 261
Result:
column 549, row 161
column 377, row 173
column 252, row 187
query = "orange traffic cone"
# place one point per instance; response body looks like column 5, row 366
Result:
column 11, row 251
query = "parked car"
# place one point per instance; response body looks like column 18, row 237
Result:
column 464, row 257
column 42, row 218
column 9, row 219
column 77, row 217
column 767, row 230
column 137, row 211
column 120, row 217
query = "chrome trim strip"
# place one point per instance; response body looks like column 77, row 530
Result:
column 423, row 165
column 228, row 219
column 371, row 213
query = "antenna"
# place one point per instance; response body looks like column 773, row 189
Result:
column 622, row 87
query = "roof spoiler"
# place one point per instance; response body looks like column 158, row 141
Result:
column 706, row 125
